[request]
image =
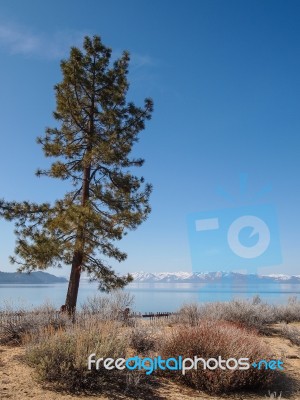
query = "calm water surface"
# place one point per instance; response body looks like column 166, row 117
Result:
column 151, row 297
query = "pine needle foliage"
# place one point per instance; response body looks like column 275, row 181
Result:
column 91, row 145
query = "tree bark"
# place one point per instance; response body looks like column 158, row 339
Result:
column 72, row 294
column 71, row 299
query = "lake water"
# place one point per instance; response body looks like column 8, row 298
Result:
column 152, row 297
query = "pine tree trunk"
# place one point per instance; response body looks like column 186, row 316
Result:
column 72, row 293
column 71, row 299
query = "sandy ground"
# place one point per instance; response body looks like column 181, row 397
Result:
column 18, row 381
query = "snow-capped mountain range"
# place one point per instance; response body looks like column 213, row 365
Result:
column 206, row 277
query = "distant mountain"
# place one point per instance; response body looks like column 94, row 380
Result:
column 215, row 277
column 38, row 277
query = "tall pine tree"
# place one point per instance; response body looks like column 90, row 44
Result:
column 96, row 130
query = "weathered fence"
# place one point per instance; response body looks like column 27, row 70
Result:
column 15, row 317
column 153, row 316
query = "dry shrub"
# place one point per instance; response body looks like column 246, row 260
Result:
column 292, row 333
column 188, row 314
column 16, row 325
column 289, row 312
column 60, row 356
column 13, row 329
column 108, row 307
column 211, row 339
column 250, row 313
column 143, row 339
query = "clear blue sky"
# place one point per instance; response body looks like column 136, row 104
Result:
column 224, row 76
